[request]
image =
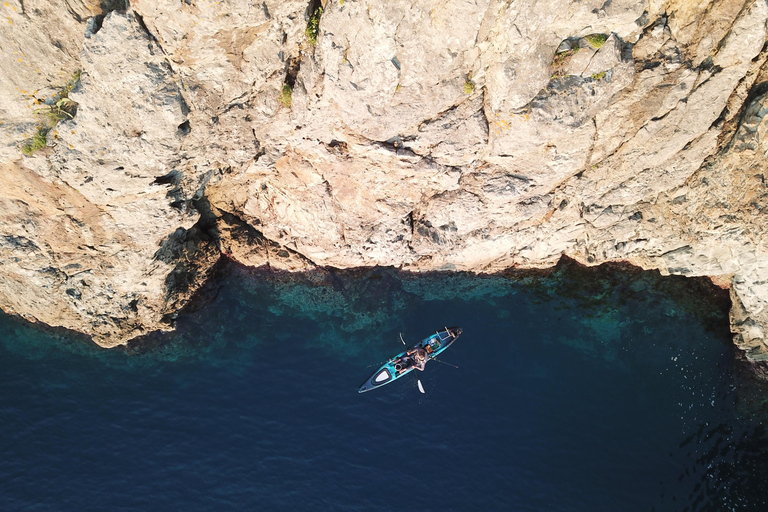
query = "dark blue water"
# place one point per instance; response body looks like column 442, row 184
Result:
column 581, row 390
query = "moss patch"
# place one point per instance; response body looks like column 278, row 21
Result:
column 596, row 40
column 469, row 85
column 286, row 95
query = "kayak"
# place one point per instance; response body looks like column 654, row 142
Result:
column 407, row 361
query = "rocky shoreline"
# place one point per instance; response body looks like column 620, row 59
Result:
column 143, row 140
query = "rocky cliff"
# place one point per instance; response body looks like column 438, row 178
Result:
column 141, row 140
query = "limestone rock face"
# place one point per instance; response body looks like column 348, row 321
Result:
column 424, row 135
column 41, row 43
column 93, row 226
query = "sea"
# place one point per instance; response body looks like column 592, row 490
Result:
column 572, row 389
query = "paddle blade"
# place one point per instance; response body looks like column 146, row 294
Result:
column 421, row 388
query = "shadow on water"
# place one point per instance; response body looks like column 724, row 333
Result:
column 604, row 388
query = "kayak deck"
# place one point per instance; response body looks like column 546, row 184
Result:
column 404, row 363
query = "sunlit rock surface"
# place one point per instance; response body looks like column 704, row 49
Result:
column 422, row 135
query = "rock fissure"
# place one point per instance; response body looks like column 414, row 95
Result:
column 147, row 32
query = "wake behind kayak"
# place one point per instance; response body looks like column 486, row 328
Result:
column 412, row 358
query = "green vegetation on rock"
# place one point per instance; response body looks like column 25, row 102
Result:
column 558, row 75
column 561, row 57
column 70, row 84
column 63, row 108
column 596, row 40
column 286, row 95
column 469, row 85
column 36, row 142
column 313, row 26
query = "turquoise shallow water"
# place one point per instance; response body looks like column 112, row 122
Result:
column 577, row 390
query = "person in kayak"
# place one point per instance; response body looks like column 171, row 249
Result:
column 419, row 358
column 404, row 362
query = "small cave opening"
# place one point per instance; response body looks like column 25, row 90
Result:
column 184, row 128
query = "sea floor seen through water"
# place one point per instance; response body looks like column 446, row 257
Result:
column 577, row 390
